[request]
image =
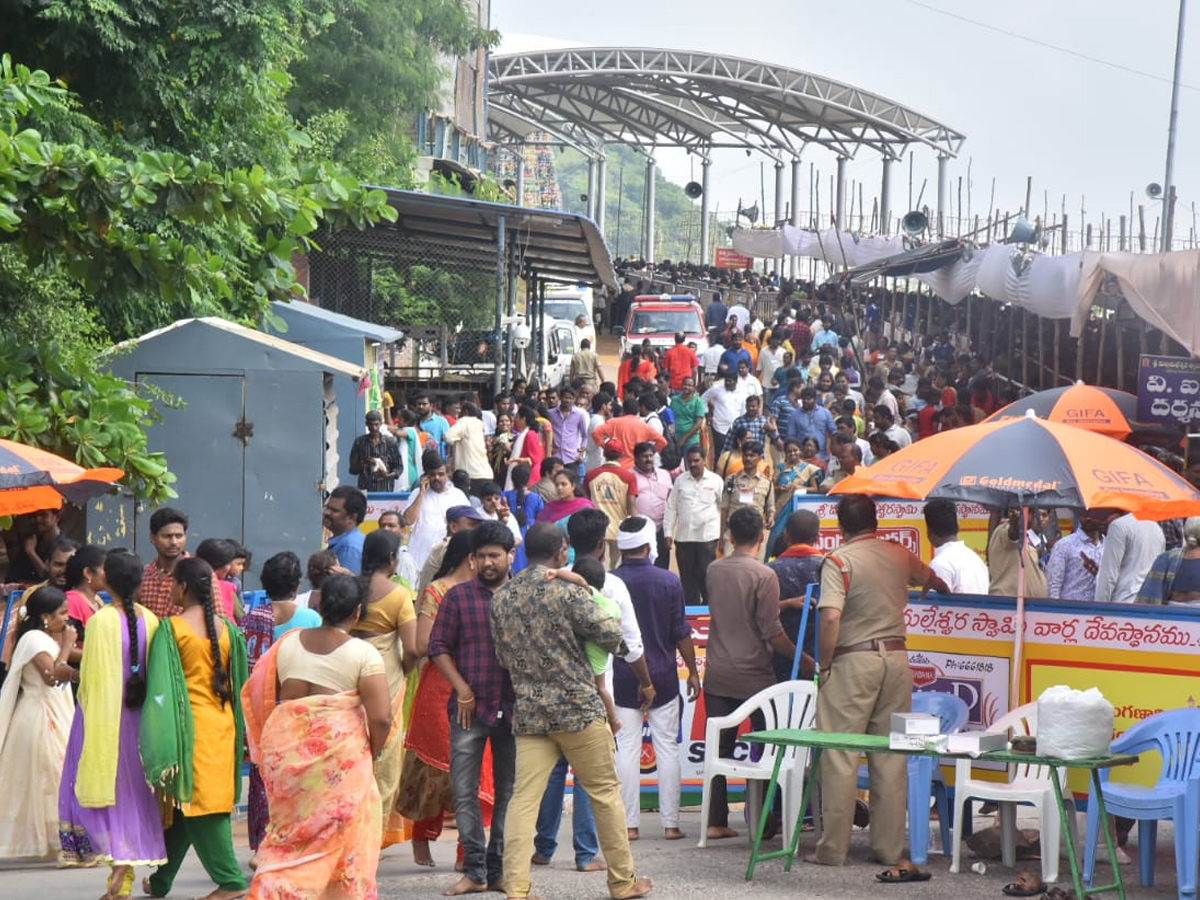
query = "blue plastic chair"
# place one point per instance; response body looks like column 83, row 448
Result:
column 925, row 779
column 1176, row 735
column 251, row 599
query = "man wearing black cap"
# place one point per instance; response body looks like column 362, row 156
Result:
column 375, row 457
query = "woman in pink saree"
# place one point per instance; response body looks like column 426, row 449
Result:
column 318, row 712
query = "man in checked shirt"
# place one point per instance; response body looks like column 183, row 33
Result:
column 480, row 706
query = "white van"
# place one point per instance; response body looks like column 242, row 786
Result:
column 567, row 302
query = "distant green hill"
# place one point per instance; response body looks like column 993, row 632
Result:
column 677, row 216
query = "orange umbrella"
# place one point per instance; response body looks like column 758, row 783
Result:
column 1029, row 462
column 33, row 479
column 1099, row 409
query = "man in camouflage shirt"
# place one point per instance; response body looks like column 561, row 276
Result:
column 539, row 627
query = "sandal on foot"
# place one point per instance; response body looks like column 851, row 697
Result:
column 902, row 875
column 1027, row 884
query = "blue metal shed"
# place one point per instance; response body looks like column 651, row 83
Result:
column 355, row 341
column 254, row 444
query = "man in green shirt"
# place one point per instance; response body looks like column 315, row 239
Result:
column 689, row 412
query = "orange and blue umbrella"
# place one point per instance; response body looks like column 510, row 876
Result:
column 1029, row 461
column 1103, row 410
column 33, row 479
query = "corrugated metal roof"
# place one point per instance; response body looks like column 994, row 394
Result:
column 555, row 245
column 382, row 333
column 318, row 360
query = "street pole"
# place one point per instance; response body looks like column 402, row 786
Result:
column 1169, row 185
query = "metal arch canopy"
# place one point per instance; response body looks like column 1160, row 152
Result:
column 685, row 98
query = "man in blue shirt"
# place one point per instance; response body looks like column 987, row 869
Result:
column 732, row 356
column 431, row 423
column 812, row 421
column 344, row 511
column 786, row 403
column 716, row 314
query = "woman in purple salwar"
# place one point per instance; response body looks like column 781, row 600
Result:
column 108, row 812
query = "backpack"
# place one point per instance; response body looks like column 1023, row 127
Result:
column 669, row 456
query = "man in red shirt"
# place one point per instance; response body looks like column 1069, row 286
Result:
column 801, row 334
column 680, row 362
column 630, row 430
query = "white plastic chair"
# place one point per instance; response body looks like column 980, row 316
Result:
column 1026, row 784
column 791, row 704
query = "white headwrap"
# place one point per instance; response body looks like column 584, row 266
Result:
column 633, row 540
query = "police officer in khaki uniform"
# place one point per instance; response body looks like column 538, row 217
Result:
column 864, row 676
column 749, row 488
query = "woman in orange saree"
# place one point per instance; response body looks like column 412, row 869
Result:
column 317, row 713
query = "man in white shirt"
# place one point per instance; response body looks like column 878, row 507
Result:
column 692, row 523
column 711, row 359
column 1130, row 548
column 726, row 401
column 468, row 448
column 583, row 330
column 877, row 393
column 770, row 358
column 953, row 561
column 496, row 508
column 886, row 422
column 427, row 506
column 747, row 383
column 601, row 413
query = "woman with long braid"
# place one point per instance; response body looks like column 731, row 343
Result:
column 197, row 666
column 390, row 626
column 106, row 810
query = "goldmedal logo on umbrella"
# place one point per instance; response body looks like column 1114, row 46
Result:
column 1008, row 484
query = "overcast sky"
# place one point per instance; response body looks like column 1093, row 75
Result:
column 1080, row 128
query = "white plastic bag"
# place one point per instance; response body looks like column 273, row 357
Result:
column 1073, row 724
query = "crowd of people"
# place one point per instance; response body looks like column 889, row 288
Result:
column 512, row 618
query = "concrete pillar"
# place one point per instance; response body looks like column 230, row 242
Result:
column 796, row 209
column 840, row 200
column 705, row 250
column 648, row 212
column 943, row 194
column 601, row 190
column 590, row 211
column 779, row 205
column 885, row 205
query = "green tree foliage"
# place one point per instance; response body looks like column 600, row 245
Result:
column 84, row 212
column 204, row 78
column 72, row 221
column 55, row 400
column 427, row 295
column 151, row 168
column 377, row 65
